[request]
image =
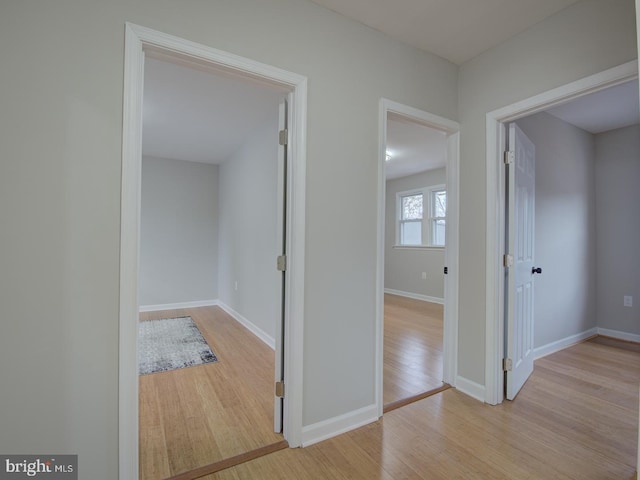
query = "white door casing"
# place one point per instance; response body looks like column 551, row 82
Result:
column 520, row 244
column 495, row 187
column 450, row 327
column 138, row 41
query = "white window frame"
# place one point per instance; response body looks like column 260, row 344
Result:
column 427, row 216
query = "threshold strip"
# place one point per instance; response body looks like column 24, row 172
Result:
column 406, row 401
column 231, row 462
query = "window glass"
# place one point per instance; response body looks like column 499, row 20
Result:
column 412, row 207
column 411, row 233
column 440, row 203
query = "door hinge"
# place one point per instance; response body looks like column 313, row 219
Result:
column 446, row 270
column 507, row 261
column 507, row 364
column 283, row 137
column 509, row 157
column 281, row 263
column 280, row 389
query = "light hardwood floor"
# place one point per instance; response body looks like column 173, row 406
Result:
column 195, row 416
column 576, row 418
column 412, row 347
column 200, row 415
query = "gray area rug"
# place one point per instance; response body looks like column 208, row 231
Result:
column 171, row 343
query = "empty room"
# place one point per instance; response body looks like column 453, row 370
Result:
column 207, row 268
column 415, row 221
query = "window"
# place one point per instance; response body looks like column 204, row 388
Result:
column 421, row 217
column 411, row 219
column 437, row 215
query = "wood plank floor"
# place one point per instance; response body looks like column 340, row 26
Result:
column 412, row 347
column 195, row 416
column 576, row 418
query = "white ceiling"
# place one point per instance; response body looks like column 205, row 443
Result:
column 602, row 111
column 457, row 30
column 195, row 115
column 413, row 148
column 203, row 116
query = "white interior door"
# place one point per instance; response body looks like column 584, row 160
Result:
column 520, row 264
column 282, row 246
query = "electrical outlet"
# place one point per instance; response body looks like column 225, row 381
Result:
column 628, row 301
column 236, row 285
column 424, row 275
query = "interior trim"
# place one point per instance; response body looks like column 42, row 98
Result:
column 140, row 41
column 495, row 142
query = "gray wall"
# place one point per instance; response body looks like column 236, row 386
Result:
column 565, row 226
column 403, row 267
column 618, row 236
column 61, row 145
column 178, row 232
column 583, row 39
column 248, row 220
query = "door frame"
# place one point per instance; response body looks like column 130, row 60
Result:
column 450, row 324
column 139, row 40
column 495, row 187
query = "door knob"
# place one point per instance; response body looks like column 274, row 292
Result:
column 536, row 270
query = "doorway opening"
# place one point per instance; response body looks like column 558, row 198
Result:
column 209, row 150
column 417, row 256
column 498, row 315
column 141, row 42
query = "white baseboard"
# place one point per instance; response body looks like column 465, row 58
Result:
column 257, row 331
column 563, row 343
column 471, row 388
column 415, row 296
column 176, row 306
column 629, row 337
column 335, row 426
